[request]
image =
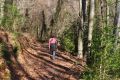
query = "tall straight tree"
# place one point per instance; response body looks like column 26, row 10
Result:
column 1, row 9
column 82, row 15
column 91, row 23
column 104, row 12
column 117, row 22
column 107, row 12
column 80, row 40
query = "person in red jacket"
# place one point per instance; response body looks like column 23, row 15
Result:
column 53, row 46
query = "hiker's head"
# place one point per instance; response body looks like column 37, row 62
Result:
column 52, row 36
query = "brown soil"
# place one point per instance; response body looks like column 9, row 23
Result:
column 34, row 63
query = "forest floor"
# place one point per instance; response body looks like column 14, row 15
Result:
column 34, row 63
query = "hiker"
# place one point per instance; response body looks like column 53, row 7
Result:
column 53, row 46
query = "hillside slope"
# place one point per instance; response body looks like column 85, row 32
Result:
column 34, row 63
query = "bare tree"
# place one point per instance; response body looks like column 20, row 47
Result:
column 91, row 23
column 80, row 32
column 117, row 22
column 107, row 13
column 1, row 9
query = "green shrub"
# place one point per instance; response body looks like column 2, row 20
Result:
column 15, row 51
column 69, row 38
column 67, row 41
column 105, row 59
column 12, row 18
column 4, row 52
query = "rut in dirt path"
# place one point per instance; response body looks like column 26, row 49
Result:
column 35, row 63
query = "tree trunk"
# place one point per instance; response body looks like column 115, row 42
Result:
column 107, row 13
column 43, row 28
column 1, row 9
column 90, row 24
column 80, row 45
column 80, row 40
column 117, row 23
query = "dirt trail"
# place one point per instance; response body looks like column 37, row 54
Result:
column 35, row 63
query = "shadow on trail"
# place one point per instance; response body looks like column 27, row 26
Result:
column 58, row 55
column 13, row 74
column 13, row 70
column 13, row 65
column 51, row 70
column 56, row 68
column 23, row 70
column 45, row 51
column 28, row 56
